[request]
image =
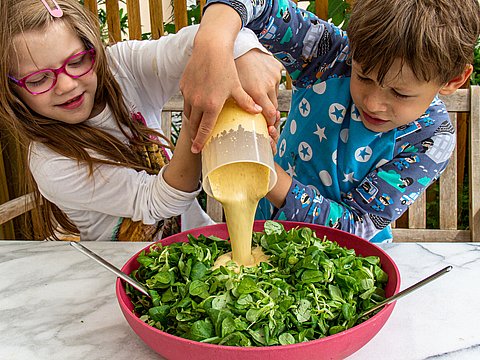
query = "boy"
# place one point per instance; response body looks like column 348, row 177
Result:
column 364, row 107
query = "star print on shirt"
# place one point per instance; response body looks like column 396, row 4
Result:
column 337, row 112
column 363, row 154
column 291, row 170
column 304, row 151
column 304, row 107
column 349, row 177
column 282, row 147
column 355, row 114
column 321, row 133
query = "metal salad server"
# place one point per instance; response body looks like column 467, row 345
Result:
column 110, row 267
column 406, row 291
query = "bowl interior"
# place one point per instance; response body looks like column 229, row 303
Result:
column 345, row 342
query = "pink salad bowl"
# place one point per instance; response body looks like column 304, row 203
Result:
column 337, row 346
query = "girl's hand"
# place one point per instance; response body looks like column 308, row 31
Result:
column 274, row 135
column 260, row 75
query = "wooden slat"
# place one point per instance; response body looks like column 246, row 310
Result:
column 167, row 123
column 474, row 164
column 134, row 22
column 156, row 18
column 176, row 102
column 458, row 101
column 202, row 5
column 417, row 213
column 321, row 9
column 113, row 21
column 448, row 190
column 430, row 235
column 18, row 206
column 7, row 230
column 214, row 209
column 91, row 5
column 463, row 120
column 180, row 14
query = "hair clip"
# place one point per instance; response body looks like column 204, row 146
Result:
column 55, row 12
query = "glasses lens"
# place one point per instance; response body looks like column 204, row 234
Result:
column 40, row 81
column 79, row 64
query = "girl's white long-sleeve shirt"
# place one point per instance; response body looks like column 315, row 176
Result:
column 148, row 73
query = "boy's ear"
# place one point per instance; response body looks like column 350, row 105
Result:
column 457, row 81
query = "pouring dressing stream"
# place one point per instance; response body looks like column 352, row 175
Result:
column 238, row 171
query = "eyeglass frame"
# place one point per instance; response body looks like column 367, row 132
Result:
column 58, row 71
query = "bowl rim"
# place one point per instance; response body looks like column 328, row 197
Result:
column 385, row 311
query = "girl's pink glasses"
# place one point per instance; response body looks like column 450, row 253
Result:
column 44, row 80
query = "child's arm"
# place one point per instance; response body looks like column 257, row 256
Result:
column 307, row 46
column 183, row 171
column 385, row 193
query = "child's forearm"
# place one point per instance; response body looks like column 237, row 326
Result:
column 183, row 171
column 221, row 20
column 279, row 192
column 221, row 24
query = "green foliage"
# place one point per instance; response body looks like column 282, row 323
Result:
column 475, row 79
column 310, row 288
column 338, row 11
column 193, row 17
column 464, row 205
column 432, row 206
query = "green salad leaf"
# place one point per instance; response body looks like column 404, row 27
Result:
column 309, row 289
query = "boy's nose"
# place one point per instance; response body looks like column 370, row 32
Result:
column 374, row 101
column 64, row 84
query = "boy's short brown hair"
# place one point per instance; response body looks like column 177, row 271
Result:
column 435, row 38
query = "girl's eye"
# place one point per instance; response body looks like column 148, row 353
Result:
column 37, row 80
column 77, row 61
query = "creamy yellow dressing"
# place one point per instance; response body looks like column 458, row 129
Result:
column 238, row 146
column 239, row 187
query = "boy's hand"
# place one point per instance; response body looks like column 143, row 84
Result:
column 260, row 75
column 210, row 77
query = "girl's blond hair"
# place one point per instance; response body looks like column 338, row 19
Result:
column 73, row 141
column 435, row 38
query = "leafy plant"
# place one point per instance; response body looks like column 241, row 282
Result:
column 338, row 11
column 193, row 17
column 310, row 288
column 475, row 79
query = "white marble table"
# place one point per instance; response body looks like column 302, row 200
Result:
column 56, row 303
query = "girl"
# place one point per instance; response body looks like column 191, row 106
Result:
column 89, row 119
